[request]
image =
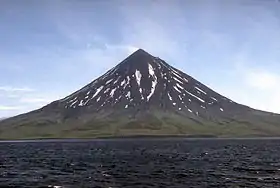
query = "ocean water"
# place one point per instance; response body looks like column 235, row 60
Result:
column 144, row 163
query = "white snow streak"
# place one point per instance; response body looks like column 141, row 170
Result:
column 73, row 99
column 200, row 90
column 123, row 82
column 180, row 97
column 176, row 89
column 73, row 103
column 112, row 92
column 116, row 80
column 126, row 106
column 81, row 103
column 138, row 77
column 195, row 96
column 154, row 82
column 190, row 110
column 170, row 98
column 140, row 90
column 176, row 71
column 214, row 99
column 179, row 86
column 128, row 94
column 128, row 80
column 86, row 102
column 176, row 74
column 221, row 109
column 108, row 89
column 178, row 80
column 109, row 81
column 97, row 91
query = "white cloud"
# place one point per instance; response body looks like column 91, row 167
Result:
column 265, row 91
column 36, row 100
column 5, row 108
column 263, row 80
column 15, row 89
column 257, row 87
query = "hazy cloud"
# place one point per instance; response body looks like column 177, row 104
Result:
column 15, row 89
column 3, row 107
column 36, row 100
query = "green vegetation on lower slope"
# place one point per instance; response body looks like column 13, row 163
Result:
column 159, row 123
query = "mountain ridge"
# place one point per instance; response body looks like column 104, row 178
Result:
column 142, row 95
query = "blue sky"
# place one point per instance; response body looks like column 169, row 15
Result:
column 50, row 48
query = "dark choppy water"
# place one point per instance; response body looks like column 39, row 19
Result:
column 139, row 163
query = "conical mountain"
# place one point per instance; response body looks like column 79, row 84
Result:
column 143, row 95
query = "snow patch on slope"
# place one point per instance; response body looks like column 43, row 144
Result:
column 154, row 81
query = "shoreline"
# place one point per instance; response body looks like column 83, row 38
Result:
column 138, row 137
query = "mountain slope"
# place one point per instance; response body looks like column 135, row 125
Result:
column 143, row 95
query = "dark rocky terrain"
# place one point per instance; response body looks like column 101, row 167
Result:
column 142, row 95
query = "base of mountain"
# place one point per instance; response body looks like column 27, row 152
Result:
column 112, row 131
column 42, row 125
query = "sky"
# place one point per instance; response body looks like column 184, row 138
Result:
column 51, row 48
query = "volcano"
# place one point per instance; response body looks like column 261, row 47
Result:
column 142, row 95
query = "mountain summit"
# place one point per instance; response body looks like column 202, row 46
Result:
column 142, row 95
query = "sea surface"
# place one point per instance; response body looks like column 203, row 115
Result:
column 145, row 163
